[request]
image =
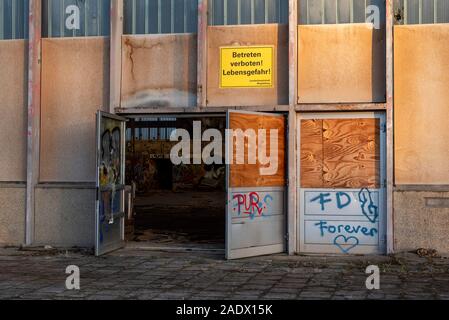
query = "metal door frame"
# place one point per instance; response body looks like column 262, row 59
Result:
column 193, row 116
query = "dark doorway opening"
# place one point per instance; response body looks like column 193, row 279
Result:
column 174, row 205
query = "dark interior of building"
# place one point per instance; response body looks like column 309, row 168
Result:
column 174, row 205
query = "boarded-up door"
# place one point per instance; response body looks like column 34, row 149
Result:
column 342, row 183
column 109, row 216
column 255, row 217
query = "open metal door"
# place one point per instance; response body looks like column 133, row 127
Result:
column 110, row 201
column 256, row 184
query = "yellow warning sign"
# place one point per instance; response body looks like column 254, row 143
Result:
column 246, row 67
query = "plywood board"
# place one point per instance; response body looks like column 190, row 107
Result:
column 311, row 153
column 13, row 105
column 159, row 70
column 351, row 153
column 247, row 35
column 248, row 175
column 421, row 95
column 340, row 153
column 343, row 63
column 75, row 84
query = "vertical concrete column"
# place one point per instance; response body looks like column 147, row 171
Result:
column 292, row 222
column 202, row 53
column 116, row 54
column 34, row 113
column 389, row 121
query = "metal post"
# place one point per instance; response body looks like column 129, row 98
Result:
column 34, row 113
column 435, row 11
column 323, row 12
column 225, row 12
column 292, row 152
column 405, row 11
column 390, row 121
column 116, row 54
column 202, row 53
column 159, row 16
column 252, row 12
column 420, row 9
column 2, row 19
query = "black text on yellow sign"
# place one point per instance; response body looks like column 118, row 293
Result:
column 247, row 67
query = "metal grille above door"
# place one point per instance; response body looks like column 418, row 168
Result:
column 235, row 12
column 94, row 18
column 160, row 16
column 421, row 11
column 14, row 19
column 337, row 11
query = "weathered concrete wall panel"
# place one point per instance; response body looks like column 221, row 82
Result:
column 418, row 223
column 75, row 84
column 247, row 35
column 342, row 63
column 13, row 105
column 159, row 70
column 421, row 94
column 12, row 215
column 65, row 217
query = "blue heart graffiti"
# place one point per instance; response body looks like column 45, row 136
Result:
column 345, row 241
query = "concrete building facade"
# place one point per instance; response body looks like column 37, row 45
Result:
column 362, row 86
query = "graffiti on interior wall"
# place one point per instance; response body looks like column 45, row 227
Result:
column 148, row 165
column 144, row 174
column 351, row 218
column 109, row 174
column 199, row 176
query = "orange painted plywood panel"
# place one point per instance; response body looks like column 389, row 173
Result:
column 75, row 84
column 159, row 70
column 351, row 153
column 13, row 105
column 247, row 35
column 342, row 63
column 248, row 175
column 421, row 97
column 340, row 153
column 311, row 153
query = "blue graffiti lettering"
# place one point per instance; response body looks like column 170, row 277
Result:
column 322, row 199
column 351, row 229
column 340, row 203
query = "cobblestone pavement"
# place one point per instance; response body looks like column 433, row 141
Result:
column 139, row 274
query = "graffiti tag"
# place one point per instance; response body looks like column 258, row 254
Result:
column 251, row 204
column 346, row 235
